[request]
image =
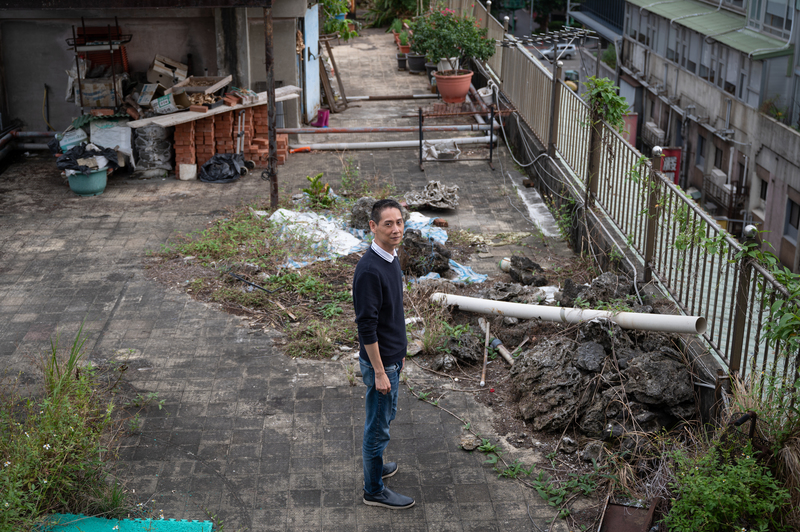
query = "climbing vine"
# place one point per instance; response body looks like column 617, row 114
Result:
column 604, row 102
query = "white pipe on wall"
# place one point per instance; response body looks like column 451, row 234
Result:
column 627, row 320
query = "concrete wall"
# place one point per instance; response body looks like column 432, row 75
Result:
column 35, row 52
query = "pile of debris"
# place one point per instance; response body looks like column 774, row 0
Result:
column 609, row 383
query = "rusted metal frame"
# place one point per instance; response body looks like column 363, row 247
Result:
column 771, row 300
column 269, row 63
column 333, row 105
column 388, row 129
column 113, row 73
column 664, row 232
column 672, row 231
column 421, row 118
column 77, row 65
column 716, row 293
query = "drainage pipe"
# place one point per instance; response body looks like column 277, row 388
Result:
column 393, row 144
column 394, row 129
column 396, row 97
column 33, row 134
column 6, row 139
column 32, row 146
column 627, row 320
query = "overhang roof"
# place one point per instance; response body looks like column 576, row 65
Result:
column 724, row 26
column 586, row 18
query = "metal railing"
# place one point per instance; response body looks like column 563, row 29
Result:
column 529, row 86
column 683, row 249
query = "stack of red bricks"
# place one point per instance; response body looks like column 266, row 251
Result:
column 197, row 141
column 204, row 139
column 223, row 133
column 185, row 143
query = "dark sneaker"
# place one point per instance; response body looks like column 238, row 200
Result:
column 389, row 469
column 389, row 499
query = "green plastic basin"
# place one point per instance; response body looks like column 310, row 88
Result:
column 90, row 184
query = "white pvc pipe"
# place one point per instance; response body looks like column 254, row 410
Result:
column 669, row 323
column 393, row 144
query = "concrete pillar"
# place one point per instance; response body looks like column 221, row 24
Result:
column 233, row 45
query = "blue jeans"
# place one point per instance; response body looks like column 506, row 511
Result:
column 381, row 410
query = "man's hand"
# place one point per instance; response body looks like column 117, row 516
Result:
column 382, row 383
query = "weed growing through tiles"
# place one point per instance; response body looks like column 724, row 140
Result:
column 53, row 446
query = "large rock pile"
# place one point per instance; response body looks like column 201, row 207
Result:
column 609, row 382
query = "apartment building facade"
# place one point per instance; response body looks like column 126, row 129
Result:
column 720, row 83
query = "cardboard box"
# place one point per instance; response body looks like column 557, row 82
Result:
column 166, row 71
column 149, row 92
column 170, row 103
column 98, row 92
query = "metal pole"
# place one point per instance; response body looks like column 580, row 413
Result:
column 421, row 168
column 113, row 69
column 491, row 138
column 488, row 13
column 271, row 172
column 554, row 103
column 78, row 65
column 652, row 201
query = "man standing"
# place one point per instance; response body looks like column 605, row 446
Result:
column 378, row 302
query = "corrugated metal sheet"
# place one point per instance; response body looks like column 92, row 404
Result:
column 128, row 4
column 726, row 27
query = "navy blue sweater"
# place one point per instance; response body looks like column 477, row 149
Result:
column 378, row 301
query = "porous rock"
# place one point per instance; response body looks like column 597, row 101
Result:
column 435, row 195
column 443, row 362
column 592, row 451
column 590, row 356
column 523, row 270
column 466, row 347
column 547, row 385
column 421, row 255
column 658, row 379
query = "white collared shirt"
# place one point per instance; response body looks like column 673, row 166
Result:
column 382, row 253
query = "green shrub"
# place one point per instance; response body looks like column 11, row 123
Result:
column 723, row 491
column 609, row 56
column 52, row 447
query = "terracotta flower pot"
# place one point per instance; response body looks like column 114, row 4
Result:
column 404, row 49
column 453, row 85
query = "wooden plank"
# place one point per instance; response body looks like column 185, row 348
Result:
column 208, row 89
column 288, row 92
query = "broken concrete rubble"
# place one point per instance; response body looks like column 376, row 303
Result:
column 513, row 292
column 435, row 195
column 524, row 270
column 420, row 255
column 605, row 288
column 559, row 382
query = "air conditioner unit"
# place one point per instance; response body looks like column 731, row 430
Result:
column 718, row 177
column 653, row 134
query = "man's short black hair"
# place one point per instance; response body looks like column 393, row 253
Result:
column 382, row 205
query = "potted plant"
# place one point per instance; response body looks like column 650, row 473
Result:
column 404, row 46
column 396, row 27
column 335, row 16
column 445, row 35
column 401, row 61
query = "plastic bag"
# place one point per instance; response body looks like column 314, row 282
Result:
column 222, row 168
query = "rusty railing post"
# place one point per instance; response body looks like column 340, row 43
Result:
column 488, row 13
column 651, row 182
column 740, row 316
column 555, row 104
column 271, row 172
column 595, row 141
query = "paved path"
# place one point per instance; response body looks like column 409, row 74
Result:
column 247, row 435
